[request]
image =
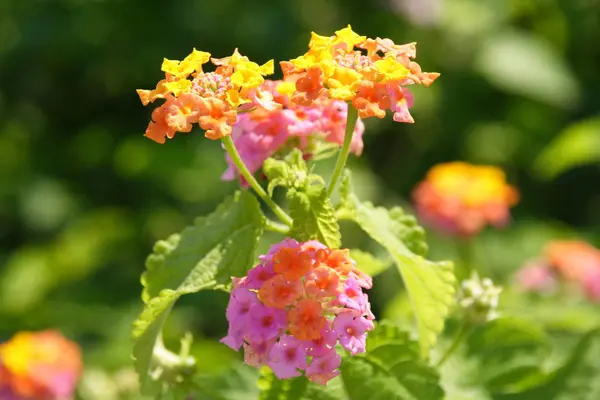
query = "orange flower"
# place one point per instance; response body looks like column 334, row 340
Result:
column 307, row 320
column 340, row 261
column 41, row 366
column 338, row 67
column 209, row 99
column 462, row 198
column 279, row 293
column 292, row 263
column 575, row 260
column 323, row 282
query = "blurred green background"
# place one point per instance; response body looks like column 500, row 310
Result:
column 83, row 195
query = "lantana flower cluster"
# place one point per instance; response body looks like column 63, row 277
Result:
column 292, row 309
column 461, row 199
column 574, row 263
column 372, row 74
column 260, row 133
column 39, row 366
column 210, row 99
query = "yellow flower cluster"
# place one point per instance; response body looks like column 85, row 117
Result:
column 210, row 99
column 371, row 73
column 462, row 198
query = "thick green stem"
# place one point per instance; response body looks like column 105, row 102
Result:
column 237, row 161
column 351, row 119
column 462, row 333
column 274, row 226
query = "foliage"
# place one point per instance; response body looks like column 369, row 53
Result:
column 83, row 196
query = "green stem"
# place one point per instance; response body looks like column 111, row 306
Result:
column 237, row 161
column 351, row 119
column 274, row 226
column 462, row 333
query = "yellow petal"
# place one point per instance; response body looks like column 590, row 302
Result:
column 267, row 68
column 179, row 86
column 391, row 69
column 349, row 37
column 286, row 88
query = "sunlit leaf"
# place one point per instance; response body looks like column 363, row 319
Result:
column 314, row 216
column 577, row 145
column 205, row 256
column 390, row 369
column 523, row 64
column 430, row 285
column 368, row 263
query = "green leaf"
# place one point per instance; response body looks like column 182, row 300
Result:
column 314, row 217
column 576, row 379
column 204, row 256
column 146, row 330
column 430, row 285
column 210, row 252
column 291, row 172
column 390, row 369
column 521, row 63
column 368, row 263
column 510, row 353
column 237, row 383
column 577, row 145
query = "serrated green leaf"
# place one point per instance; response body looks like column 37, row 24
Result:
column 210, row 252
column 577, row 379
column 291, row 172
column 390, row 369
column 314, row 216
column 204, row 256
column 368, row 263
column 510, row 353
column 578, row 144
column 430, row 285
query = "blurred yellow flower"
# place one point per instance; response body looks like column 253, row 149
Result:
column 462, row 198
column 39, row 366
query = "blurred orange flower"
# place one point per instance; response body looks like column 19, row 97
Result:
column 39, row 366
column 461, row 198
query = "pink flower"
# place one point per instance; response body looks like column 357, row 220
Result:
column 259, row 275
column 324, row 368
column 536, row 277
column 255, row 353
column 287, row 356
column 266, row 323
column 262, row 132
column 289, row 311
column 352, row 295
column 352, row 330
column 323, row 345
column 591, row 286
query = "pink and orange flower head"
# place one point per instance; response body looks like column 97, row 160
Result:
column 39, row 366
column 263, row 133
column 572, row 262
column 372, row 74
column 291, row 310
column 209, row 99
column 461, row 199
